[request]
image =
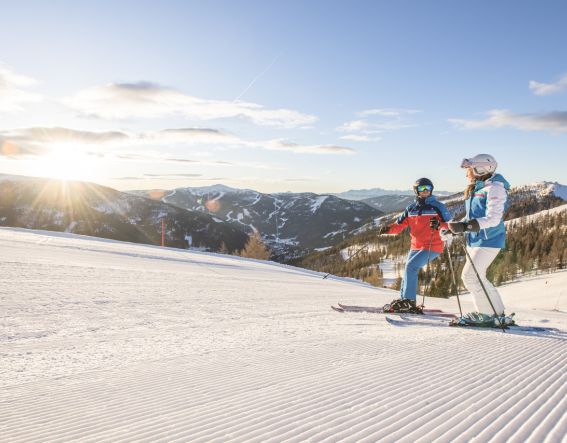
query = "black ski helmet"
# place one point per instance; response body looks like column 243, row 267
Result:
column 420, row 182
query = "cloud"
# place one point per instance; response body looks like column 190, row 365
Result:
column 172, row 176
column 41, row 135
column 293, row 180
column 282, row 145
column 549, row 88
column 354, row 126
column 367, row 127
column 10, row 148
column 387, row 112
column 13, row 91
column 500, row 118
column 360, row 138
column 149, row 100
column 376, row 121
column 38, row 140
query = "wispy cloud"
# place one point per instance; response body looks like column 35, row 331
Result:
column 295, row 180
column 360, row 138
column 150, row 100
column 46, row 135
column 387, row 112
column 14, row 90
column 376, row 121
column 282, row 145
column 160, row 177
column 549, row 88
column 354, row 126
column 38, row 140
column 500, row 118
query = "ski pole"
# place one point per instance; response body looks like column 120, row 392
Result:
column 352, row 256
column 453, row 277
column 482, row 284
column 427, row 271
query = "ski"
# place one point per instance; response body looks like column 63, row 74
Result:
column 435, row 313
column 380, row 310
column 412, row 320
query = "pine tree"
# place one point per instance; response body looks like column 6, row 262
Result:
column 255, row 248
column 223, row 249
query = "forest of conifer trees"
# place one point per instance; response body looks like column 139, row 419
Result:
column 533, row 246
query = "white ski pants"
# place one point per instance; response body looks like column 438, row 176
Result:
column 482, row 257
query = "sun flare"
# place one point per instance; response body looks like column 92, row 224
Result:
column 66, row 164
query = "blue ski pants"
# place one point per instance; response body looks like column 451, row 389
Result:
column 417, row 259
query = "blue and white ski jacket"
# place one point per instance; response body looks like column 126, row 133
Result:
column 487, row 205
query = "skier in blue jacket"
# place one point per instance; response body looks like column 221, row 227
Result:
column 486, row 200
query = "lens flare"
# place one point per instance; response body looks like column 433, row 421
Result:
column 66, row 164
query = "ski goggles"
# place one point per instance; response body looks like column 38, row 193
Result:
column 467, row 163
column 422, row 188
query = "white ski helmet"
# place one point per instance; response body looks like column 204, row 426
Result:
column 481, row 164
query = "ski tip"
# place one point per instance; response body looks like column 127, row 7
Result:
column 334, row 308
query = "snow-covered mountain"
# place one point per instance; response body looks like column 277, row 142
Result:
column 523, row 200
column 290, row 223
column 542, row 189
column 108, row 341
column 90, row 209
column 365, row 194
column 390, row 203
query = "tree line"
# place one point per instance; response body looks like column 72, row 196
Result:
column 537, row 245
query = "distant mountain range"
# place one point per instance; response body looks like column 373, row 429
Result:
column 390, row 203
column 367, row 194
column 292, row 224
column 89, row 209
column 289, row 223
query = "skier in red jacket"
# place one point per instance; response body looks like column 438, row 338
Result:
column 424, row 217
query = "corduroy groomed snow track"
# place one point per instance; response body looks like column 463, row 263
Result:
column 111, row 342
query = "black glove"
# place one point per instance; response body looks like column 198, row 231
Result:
column 460, row 227
column 383, row 229
column 434, row 223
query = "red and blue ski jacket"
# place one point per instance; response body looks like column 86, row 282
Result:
column 417, row 217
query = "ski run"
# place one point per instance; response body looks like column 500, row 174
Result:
column 103, row 341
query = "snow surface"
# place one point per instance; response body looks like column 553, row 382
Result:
column 533, row 217
column 113, row 342
column 559, row 190
column 389, row 272
column 317, row 202
column 204, row 190
column 546, row 188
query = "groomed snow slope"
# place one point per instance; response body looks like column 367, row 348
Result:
column 112, row 342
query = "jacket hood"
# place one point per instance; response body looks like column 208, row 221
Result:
column 494, row 178
column 499, row 178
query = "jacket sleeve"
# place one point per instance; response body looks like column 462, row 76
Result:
column 445, row 216
column 496, row 197
column 401, row 223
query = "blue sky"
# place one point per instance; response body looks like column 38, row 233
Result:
column 275, row 96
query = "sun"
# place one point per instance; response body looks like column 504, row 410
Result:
column 65, row 163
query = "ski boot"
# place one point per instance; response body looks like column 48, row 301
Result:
column 479, row 320
column 403, row 306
